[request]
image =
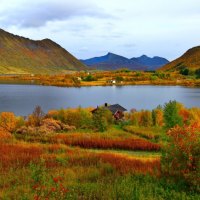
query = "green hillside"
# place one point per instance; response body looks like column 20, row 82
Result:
column 22, row 55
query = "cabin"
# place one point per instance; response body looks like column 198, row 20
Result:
column 116, row 109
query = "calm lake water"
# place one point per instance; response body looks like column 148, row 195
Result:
column 21, row 99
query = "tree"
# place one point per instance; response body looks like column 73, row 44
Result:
column 185, row 71
column 102, row 118
column 80, row 118
column 197, row 73
column 119, row 79
column 157, row 117
column 35, row 119
column 8, row 121
column 171, row 115
column 89, row 78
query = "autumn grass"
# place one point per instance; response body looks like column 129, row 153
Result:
column 56, row 171
column 95, row 141
column 38, row 165
column 84, row 165
column 152, row 133
column 134, row 154
column 79, row 174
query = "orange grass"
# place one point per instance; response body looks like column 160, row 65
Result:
column 15, row 155
column 121, row 163
column 135, row 165
column 22, row 154
column 97, row 142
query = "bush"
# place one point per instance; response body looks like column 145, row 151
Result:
column 119, row 79
column 8, row 121
column 180, row 158
column 80, row 118
column 90, row 78
column 146, row 118
column 197, row 73
column 185, row 71
column 35, row 119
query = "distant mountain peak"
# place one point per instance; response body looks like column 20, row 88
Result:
column 113, row 61
column 144, row 56
column 111, row 54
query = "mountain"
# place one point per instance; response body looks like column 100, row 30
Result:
column 22, row 55
column 190, row 59
column 112, row 62
column 152, row 63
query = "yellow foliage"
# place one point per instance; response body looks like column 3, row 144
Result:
column 8, row 121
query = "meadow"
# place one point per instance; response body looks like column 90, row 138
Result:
column 72, row 154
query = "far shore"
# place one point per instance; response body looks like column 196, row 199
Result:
column 102, row 78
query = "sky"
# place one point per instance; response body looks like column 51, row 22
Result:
column 88, row 28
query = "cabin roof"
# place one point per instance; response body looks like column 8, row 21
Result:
column 116, row 107
column 113, row 108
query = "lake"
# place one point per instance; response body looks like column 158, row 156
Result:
column 21, row 99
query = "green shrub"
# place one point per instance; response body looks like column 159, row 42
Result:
column 90, row 78
column 171, row 115
column 102, row 118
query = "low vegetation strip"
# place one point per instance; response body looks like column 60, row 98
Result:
column 126, row 165
column 18, row 155
column 121, row 163
column 105, row 143
column 143, row 155
column 21, row 155
column 145, row 132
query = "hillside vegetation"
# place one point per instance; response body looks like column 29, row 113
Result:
column 20, row 55
column 190, row 60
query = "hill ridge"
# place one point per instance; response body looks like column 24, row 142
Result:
column 112, row 61
column 190, row 59
column 23, row 55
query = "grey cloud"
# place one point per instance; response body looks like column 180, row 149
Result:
column 39, row 13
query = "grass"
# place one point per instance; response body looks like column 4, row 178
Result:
column 46, row 167
column 95, row 141
column 152, row 133
column 135, row 154
column 38, row 165
column 86, row 181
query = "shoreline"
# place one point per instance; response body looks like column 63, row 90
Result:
column 105, row 78
column 21, row 82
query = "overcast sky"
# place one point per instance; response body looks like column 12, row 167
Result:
column 89, row 28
